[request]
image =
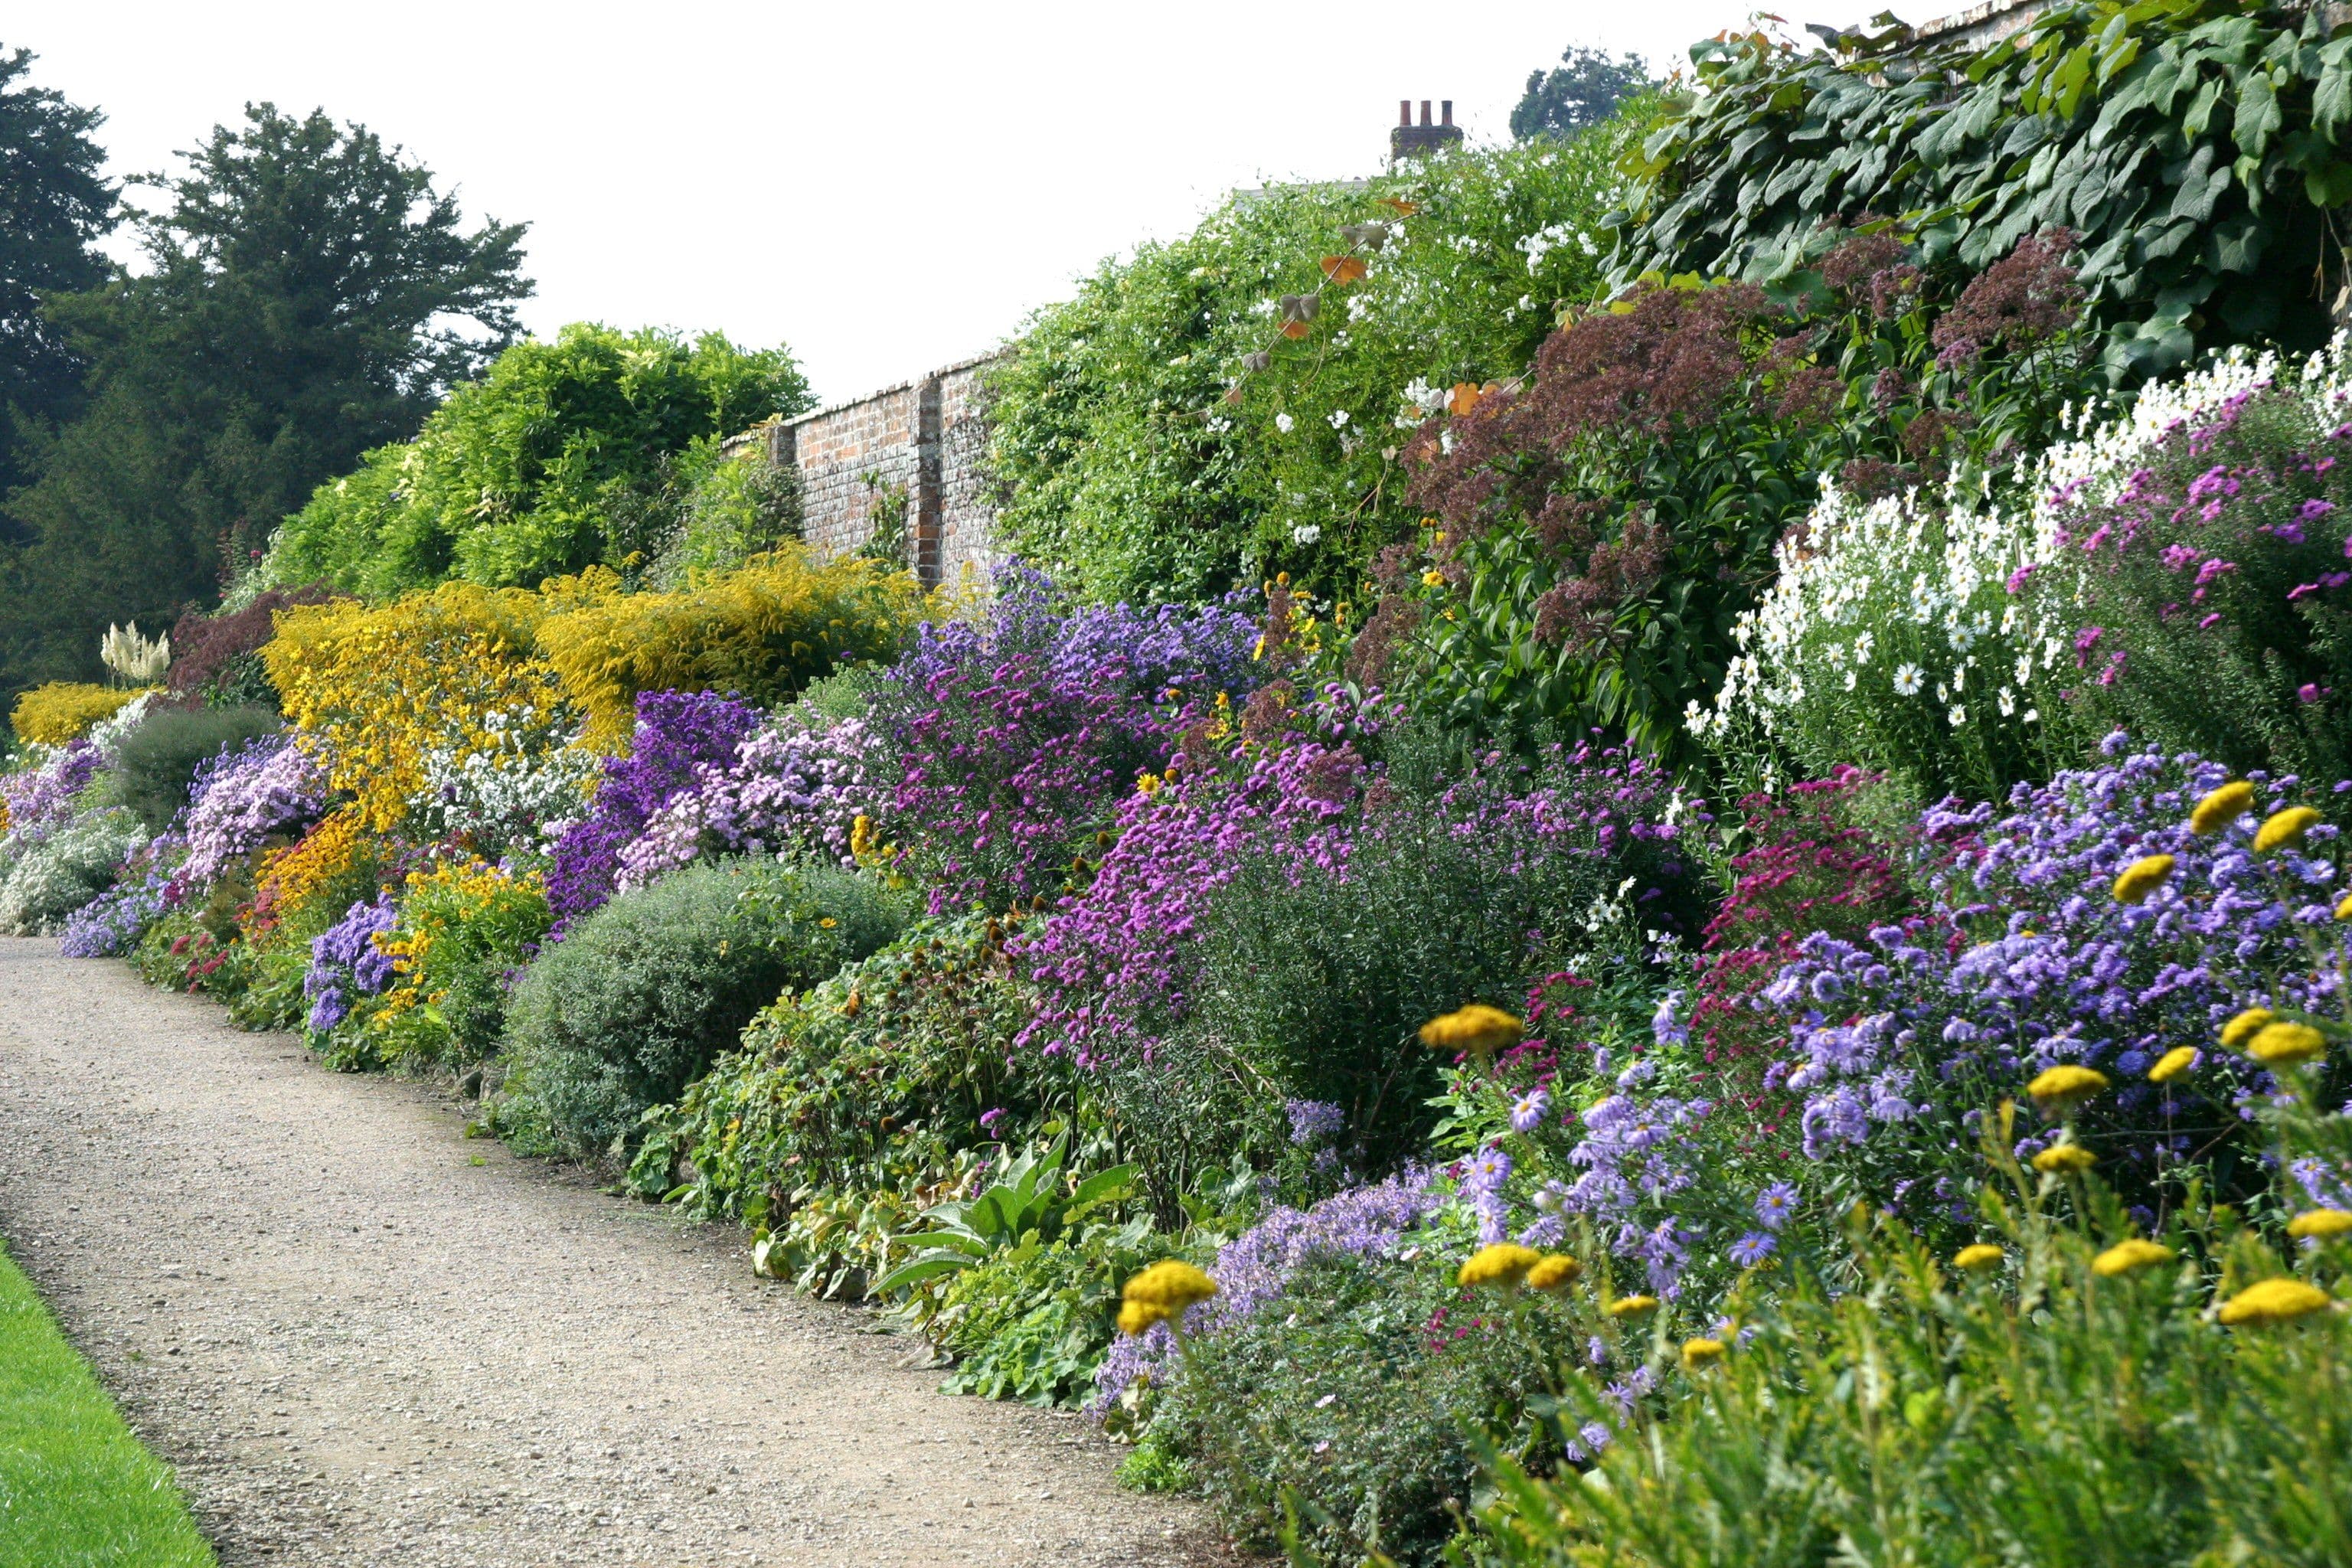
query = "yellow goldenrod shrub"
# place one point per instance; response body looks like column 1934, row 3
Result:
column 765, row 631
column 64, row 710
column 374, row 690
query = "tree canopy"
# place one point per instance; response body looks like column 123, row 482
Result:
column 1584, row 89
column 54, row 206
column 307, row 294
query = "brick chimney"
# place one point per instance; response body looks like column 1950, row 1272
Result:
column 1411, row 141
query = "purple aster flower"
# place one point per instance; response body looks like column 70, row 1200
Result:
column 1529, row 1113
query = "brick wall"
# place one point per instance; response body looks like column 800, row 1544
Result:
column 923, row 439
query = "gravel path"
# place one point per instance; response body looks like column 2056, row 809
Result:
column 363, row 1339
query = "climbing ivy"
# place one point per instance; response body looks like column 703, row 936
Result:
column 2198, row 147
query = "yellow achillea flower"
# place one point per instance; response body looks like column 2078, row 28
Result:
column 2285, row 829
column 2172, row 1064
column 2272, row 1302
column 1554, row 1271
column 1505, row 1263
column 2065, row 1084
column 2221, row 807
column 2141, row 878
column 1978, row 1257
column 1697, row 1353
column 2064, row 1160
column 2320, row 1224
column 1160, row 1293
column 1478, row 1029
column 1633, row 1306
column 2344, row 908
column 2277, row 1044
column 2126, row 1256
column 2245, row 1026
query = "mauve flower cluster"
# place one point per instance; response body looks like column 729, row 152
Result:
column 1253, row 1269
column 788, row 787
column 240, row 798
column 1010, row 736
column 1115, row 965
column 148, row 889
column 677, row 733
column 40, row 798
column 346, row 964
column 1899, row 1043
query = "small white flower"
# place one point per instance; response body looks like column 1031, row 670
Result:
column 1338, row 419
column 1306, row 534
column 1958, row 715
column 1283, row 422
column 2033, row 715
column 1850, row 679
column 2008, row 702
column 1906, row 680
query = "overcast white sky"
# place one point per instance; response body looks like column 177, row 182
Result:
column 885, row 188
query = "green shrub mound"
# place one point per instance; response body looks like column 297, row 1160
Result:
column 642, row 995
column 156, row 763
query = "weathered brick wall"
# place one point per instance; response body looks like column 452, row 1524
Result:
column 923, row 439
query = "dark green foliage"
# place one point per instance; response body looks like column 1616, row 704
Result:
column 1032, row 1322
column 1127, row 476
column 306, row 295
column 1579, row 92
column 54, row 205
column 641, row 996
column 597, row 447
column 2198, row 146
column 158, row 761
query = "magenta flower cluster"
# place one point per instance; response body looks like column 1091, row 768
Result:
column 1012, row 737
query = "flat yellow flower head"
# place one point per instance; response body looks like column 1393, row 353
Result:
column 1697, row 1353
column 2245, row 1026
column 2179, row 1059
column 2127, row 1256
column 2221, row 807
column 2141, row 878
column 1633, row 1306
column 1505, row 1263
column 1554, row 1271
column 2273, row 1301
column 2280, row 1044
column 2344, row 908
column 1478, row 1029
column 2064, row 1160
column 1170, row 1286
column 1136, row 1317
column 2285, row 829
column 2065, row 1084
column 1978, row 1257
column 2324, row 1224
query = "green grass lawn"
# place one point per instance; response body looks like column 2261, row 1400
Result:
column 76, row 1488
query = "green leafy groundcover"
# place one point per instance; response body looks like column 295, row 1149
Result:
column 75, row 1486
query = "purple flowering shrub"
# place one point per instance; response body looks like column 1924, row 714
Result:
column 676, row 733
column 788, row 788
column 1278, row 921
column 241, row 799
column 149, row 887
column 1899, row 1043
column 2209, row 592
column 1011, row 739
column 348, row 966
column 43, row 795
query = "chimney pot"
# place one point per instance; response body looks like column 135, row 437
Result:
column 1425, row 112
column 1405, row 112
column 1449, row 111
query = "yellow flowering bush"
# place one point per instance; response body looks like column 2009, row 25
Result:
column 463, row 924
column 333, row 864
column 64, row 710
column 764, row 631
column 378, row 692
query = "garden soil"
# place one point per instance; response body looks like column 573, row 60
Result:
column 364, row 1339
